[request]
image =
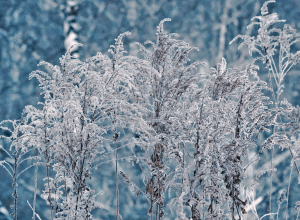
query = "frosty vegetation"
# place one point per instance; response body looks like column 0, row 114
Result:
column 193, row 131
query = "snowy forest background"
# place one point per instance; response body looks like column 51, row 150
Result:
column 42, row 30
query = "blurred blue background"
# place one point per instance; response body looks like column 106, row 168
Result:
column 35, row 30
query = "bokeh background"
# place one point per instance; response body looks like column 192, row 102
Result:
column 40, row 30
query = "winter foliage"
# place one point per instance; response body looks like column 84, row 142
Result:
column 185, row 140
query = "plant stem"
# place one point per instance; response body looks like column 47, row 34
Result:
column 15, row 185
column 48, row 181
column 288, row 192
column 35, row 189
column 156, row 218
column 117, row 181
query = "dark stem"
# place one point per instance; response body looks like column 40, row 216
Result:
column 35, row 189
column 48, row 181
column 15, row 185
column 117, row 182
column 156, row 211
column 182, row 171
